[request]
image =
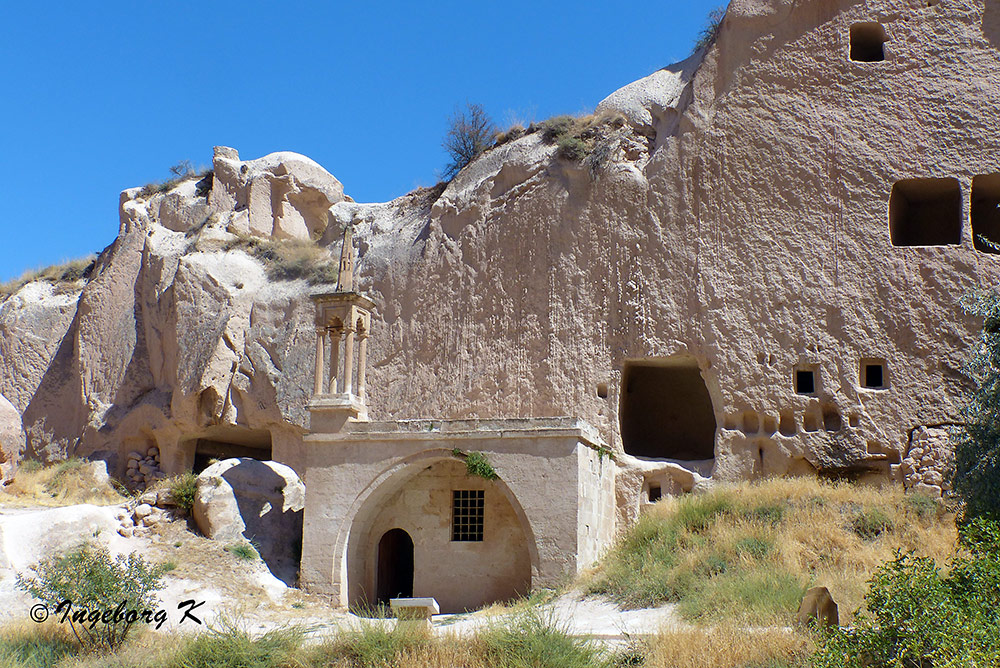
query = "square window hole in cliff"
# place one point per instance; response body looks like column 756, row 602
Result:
column 666, row 410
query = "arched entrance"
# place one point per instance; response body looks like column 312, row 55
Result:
column 489, row 560
column 394, row 570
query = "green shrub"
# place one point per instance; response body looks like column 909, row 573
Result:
column 977, row 439
column 91, row 580
column 771, row 513
column 554, row 128
column 30, row 465
column 759, row 594
column 695, row 513
column 183, row 489
column 233, row 647
column 572, row 148
column 242, row 551
column 871, row 524
column 477, row 464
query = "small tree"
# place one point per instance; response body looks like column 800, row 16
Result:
column 711, row 30
column 93, row 582
column 470, row 132
column 977, row 440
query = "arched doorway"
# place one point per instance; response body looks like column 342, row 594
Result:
column 463, row 572
column 394, row 570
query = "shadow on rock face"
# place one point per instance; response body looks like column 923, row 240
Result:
column 270, row 498
column 991, row 23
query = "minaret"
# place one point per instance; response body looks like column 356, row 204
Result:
column 343, row 321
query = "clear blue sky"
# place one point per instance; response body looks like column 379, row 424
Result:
column 103, row 96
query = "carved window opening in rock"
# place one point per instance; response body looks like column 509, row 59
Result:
column 985, row 213
column 804, row 381
column 873, row 376
column 666, row 411
column 220, row 443
column 468, row 514
column 832, row 421
column 655, row 493
column 602, row 390
column 394, row 572
column 868, row 42
column 925, row 212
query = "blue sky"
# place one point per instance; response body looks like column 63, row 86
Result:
column 99, row 97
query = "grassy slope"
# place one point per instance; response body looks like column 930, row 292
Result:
column 746, row 553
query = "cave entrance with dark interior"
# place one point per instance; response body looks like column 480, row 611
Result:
column 666, row 411
column 394, row 572
column 218, row 443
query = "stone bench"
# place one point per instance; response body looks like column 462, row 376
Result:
column 414, row 612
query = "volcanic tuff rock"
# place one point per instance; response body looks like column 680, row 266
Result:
column 11, row 439
column 739, row 219
column 259, row 501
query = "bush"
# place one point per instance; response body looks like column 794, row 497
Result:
column 871, row 524
column 470, row 132
column 977, row 440
column 710, row 32
column 183, row 489
column 917, row 617
column 91, row 580
column 477, row 464
column 371, row 644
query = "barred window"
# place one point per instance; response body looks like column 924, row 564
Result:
column 467, row 512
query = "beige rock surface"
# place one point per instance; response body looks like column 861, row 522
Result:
column 740, row 219
column 11, row 439
column 259, row 501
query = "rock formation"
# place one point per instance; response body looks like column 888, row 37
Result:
column 11, row 439
column 259, row 501
column 758, row 222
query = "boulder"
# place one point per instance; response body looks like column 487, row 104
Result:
column 818, row 607
column 261, row 501
column 94, row 473
column 11, row 439
column 285, row 195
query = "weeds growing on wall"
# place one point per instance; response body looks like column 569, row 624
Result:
column 477, row 464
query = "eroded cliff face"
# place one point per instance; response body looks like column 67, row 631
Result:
column 737, row 225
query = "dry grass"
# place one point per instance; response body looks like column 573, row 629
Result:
column 727, row 646
column 748, row 552
column 289, row 259
column 64, row 276
column 59, row 484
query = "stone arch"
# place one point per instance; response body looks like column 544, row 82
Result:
column 353, row 558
